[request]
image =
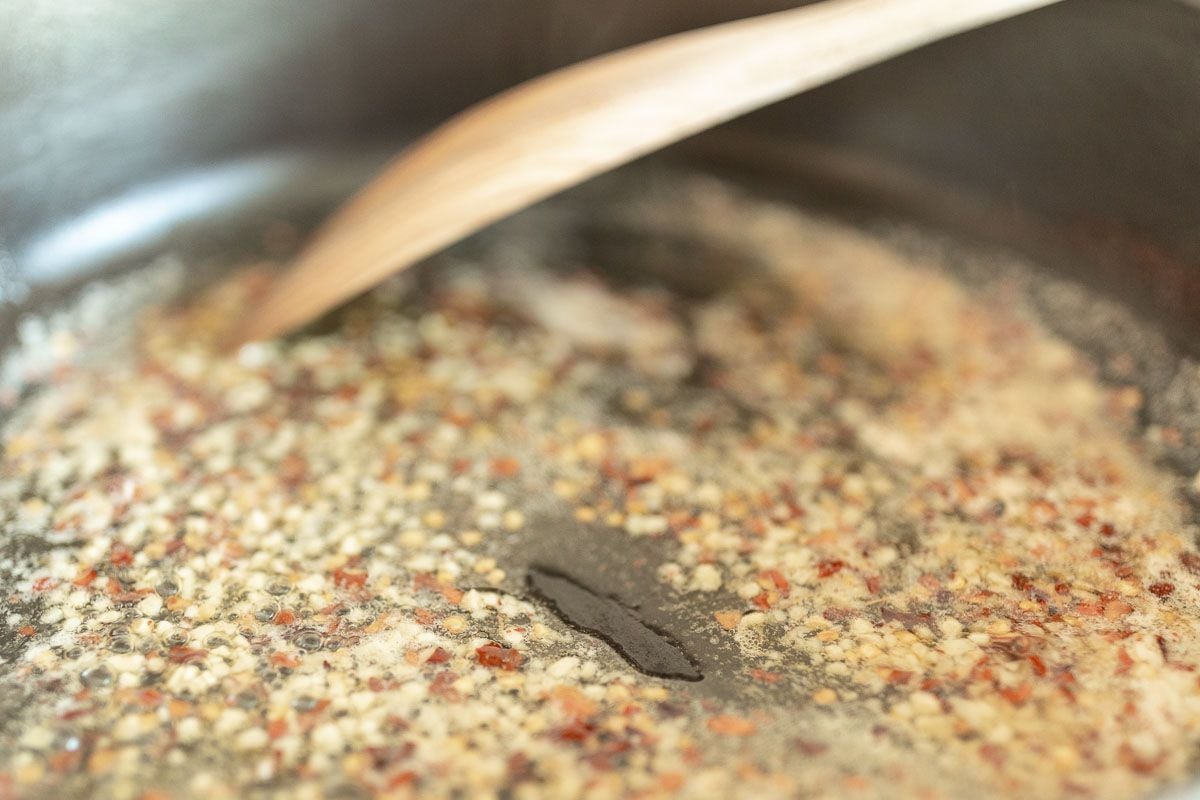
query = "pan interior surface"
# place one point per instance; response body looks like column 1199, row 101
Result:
column 849, row 511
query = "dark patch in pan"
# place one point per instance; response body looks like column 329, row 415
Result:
column 646, row 649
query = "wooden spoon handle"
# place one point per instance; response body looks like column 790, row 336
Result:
column 560, row 129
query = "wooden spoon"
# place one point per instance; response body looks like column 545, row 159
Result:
column 560, row 129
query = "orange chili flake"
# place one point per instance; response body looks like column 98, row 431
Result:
column 776, row 577
column 186, row 655
column 1115, row 609
column 1039, row 666
column 574, row 731
column 120, row 555
column 85, row 577
column 764, row 676
column 44, row 584
column 505, row 467
column 27, row 630
column 1124, row 662
column 1018, row 695
column 670, row 781
column 284, row 617
column 827, row 568
column 402, row 779
column 1161, row 589
column 728, row 619
column 442, row 685
column 498, row 656
column 438, row 656
column 573, row 701
column 347, row 579
column 277, row 728
column 993, row 755
column 729, row 725
column 286, row 660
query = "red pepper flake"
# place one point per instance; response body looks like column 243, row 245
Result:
column 120, row 555
column 993, row 755
column 277, row 728
column 899, row 676
column 1142, row 766
column 981, row 672
column 1191, row 561
column 438, row 656
column 1107, row 529
column 1089, row 609
column 284, row 617
column 729, row 725
column 186, row 655
column 1018, row 695
column 402, row 779
column 27, row 630
column 645, row 470
column 1162, row 647
column 574, row 731
column 1085, row 520
column 61, row 761
column 424, row 580
column 347, row 579
column 728, row 619
column 763, row 676
column 1062, row 588
column 85, row 577
column 498, row 656
column 827, row 568
column 874, row 584
column 44, row 584
column 452, row 593
column 1021, row 582
column 505, row 467
column 1039, row 666
column 1124, row 662
column 776, row 577
column 293, row 469
column 150, row 698
column 811, row 748
column 442, row 685
column 909, row 619
column 1161, row 589
column 284, row 660
column 380, row 685
column 762, row 600
column 1115, row 609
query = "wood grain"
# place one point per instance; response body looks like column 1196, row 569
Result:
column 560, row 129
